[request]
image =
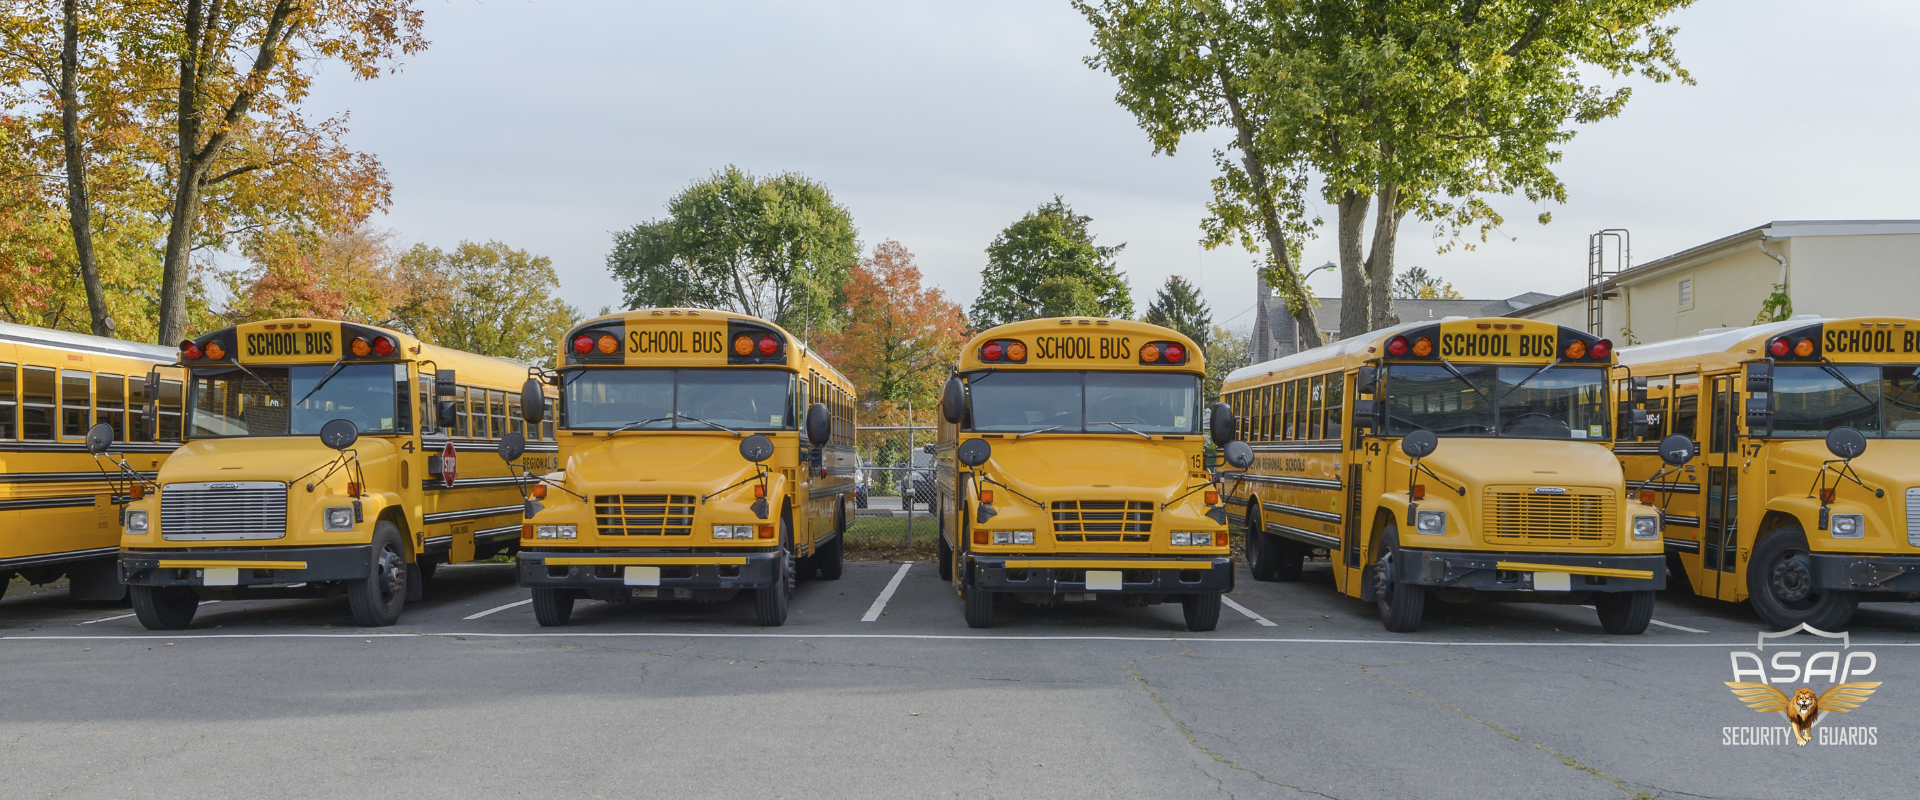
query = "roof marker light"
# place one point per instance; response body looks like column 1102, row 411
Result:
column 1397, row 346
column 1423, row 347
column 215, row 351
column 743, row 346
column 991, row 352
column 359, row 346
column 1016, row 351
column 1577, row 349
column 1601, row 349
column 1150, row 353
column 1779, row 348
column 383, row 346
column 1804, row 348
column 190, row 350
column 768, row 345
column 583, row 345
column 608, row 344
column 1175, row 354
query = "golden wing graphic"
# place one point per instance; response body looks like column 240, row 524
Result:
column 1764, row 698
column 1846, row 696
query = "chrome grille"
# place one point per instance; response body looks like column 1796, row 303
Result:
column 1581, row 517
column 1913, row 516
column 1102, row 520
column 223, row 510
column 643, row 514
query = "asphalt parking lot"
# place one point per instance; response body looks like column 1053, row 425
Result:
column 1302, row 693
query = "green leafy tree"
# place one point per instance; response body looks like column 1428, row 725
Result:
column 1420, row 106
column 1047, row 265
column 1178, row 306
column 777, row 248
column 1227, row 350
column 1418, row 284
column 488, row 298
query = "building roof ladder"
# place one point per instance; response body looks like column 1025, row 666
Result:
column 1601, row 272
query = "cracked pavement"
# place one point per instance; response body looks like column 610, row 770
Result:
column 676, row 699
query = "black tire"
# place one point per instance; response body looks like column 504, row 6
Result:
column 1263, row 559
column 946, row 550
column 552, row 607
column 831, row 561
column 770, row 602
column 1780, row 586
column 1401, row 604
column 979, row 606
column 164, row 608
column 1202, row 611
column 377, row 599
column 1625, row 613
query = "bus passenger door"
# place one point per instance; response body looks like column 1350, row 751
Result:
column 1719, row 499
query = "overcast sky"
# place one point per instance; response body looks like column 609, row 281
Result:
column 550, row 125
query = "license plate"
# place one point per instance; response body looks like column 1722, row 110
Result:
column 1103, row 580
column 643, row 576
column 220, row 576
column 1552, row 582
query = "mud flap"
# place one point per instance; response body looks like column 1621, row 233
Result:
column 416, row 585
column 97, row 579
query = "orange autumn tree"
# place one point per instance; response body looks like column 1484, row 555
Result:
column 900, row 338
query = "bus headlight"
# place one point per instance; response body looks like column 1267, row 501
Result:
column 1646, row 527
column 136, row 522
column 733, row 531
column 555, row 532
column 1192, row 539
column 1013, row 537
column 1431, row 523
column 1848, row 526
column 338, row 518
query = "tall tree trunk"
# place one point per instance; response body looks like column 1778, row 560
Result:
column 1285, row 275
column 1386, row 231
column 79, row 210
column 1354, row 297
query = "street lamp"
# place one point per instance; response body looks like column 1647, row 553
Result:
column 1303, row 284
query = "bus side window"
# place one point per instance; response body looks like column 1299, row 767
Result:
column 137, row 400
column 460, row 416
column 1300, row 409
column 1283, row 412
column 36, row 403
column 497, row 411
column 110, row 403
column 546, row 427
column 169, row 411
column 9, row 406
column 514, row 423
column 1336, row 388
column 403, row 405
column 76, row 403
column 428, row 419
column 1686, row 406
column 1318, row 409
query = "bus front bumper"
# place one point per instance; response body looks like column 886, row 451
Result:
column 245, row 566
column 1535, row 572
column 1865, row 573
column 560, row 569
column 1103, row 574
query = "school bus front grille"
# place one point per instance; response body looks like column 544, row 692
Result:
column 1102, row 520
column 644, row 514
column 223, row 511
column 1580, row 517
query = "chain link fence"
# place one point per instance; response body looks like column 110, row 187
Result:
column 895, row 489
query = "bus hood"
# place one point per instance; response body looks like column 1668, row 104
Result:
column 657, row 464
column 263, row 458
column 1478, row 463
column 1887, row 464
column 1089, row 467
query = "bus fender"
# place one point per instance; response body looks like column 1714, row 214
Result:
column 1789, row 509
column 1384, row 515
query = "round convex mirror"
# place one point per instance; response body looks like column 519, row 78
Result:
column 99, row 437
column 974, row 452
column 1846, row 442
column 1676, row 449
column 1239, row 454
column 339, row 434
column 1419, row 444
column 756, row 448
column 512, row 446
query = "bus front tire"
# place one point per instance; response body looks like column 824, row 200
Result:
column 552, row 607
column 164, row 608
column 832, row 559
column 1780, row 585
column 1625, row 613
column 770, row 602
column 1401, row 604
column 377, row 599
column 1202, row 611
column 979, row 606
column 946, row 558
column 1263, row 557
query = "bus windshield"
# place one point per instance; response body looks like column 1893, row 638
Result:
column 1089, row 402
column 666, row 399
column 268, row 401
column 1878, row 401
column 1483, row 400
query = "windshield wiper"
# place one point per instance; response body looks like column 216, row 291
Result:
column 323, row 380
column 1523, row 382
column 1121, row 427
column 1903, row 392
column 257, row 378
column 631, row 425
column 1834, row 370
column 1455, row 372
column 1025, row 434
column 705, row 422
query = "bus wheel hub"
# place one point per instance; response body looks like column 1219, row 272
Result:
column 1792, row 580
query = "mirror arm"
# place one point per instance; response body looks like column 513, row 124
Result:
column 985, row 478
column 1184, row 495
column 345, row 458
column 1419, row 467
column 757, row 476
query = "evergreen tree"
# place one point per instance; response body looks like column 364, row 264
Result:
column 1046, row 265
column 1178, row 306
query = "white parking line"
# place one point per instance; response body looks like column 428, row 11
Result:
column 106, row 619
column 499, row 608
column 880, row 603
column 1247, row 611
column 1676, row 627
column 175, row 637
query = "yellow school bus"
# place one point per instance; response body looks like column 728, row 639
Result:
column 1070, row 467
column 703, row 453
column 59, row 507
column 322, row 458
column 1464, row 458
column 1799, row 492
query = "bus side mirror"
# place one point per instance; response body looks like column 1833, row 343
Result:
column 1364, row 380
column 1637, row 422
column 1759, row 411
column 1221, row 424
column 1239, row 454
column 1637, row 391
column 443, row 383
column 1759, row 377
column 756, row 448
column 339, row 434
column 1677, row 450
column 533, row 402
column 953, row 400
column 447, row 419
column 1419, row 444
column 1366, row 415
column 1844, row 442
column 974, row 452
column 99, row 438
column 512, row 446
column 819, row 425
